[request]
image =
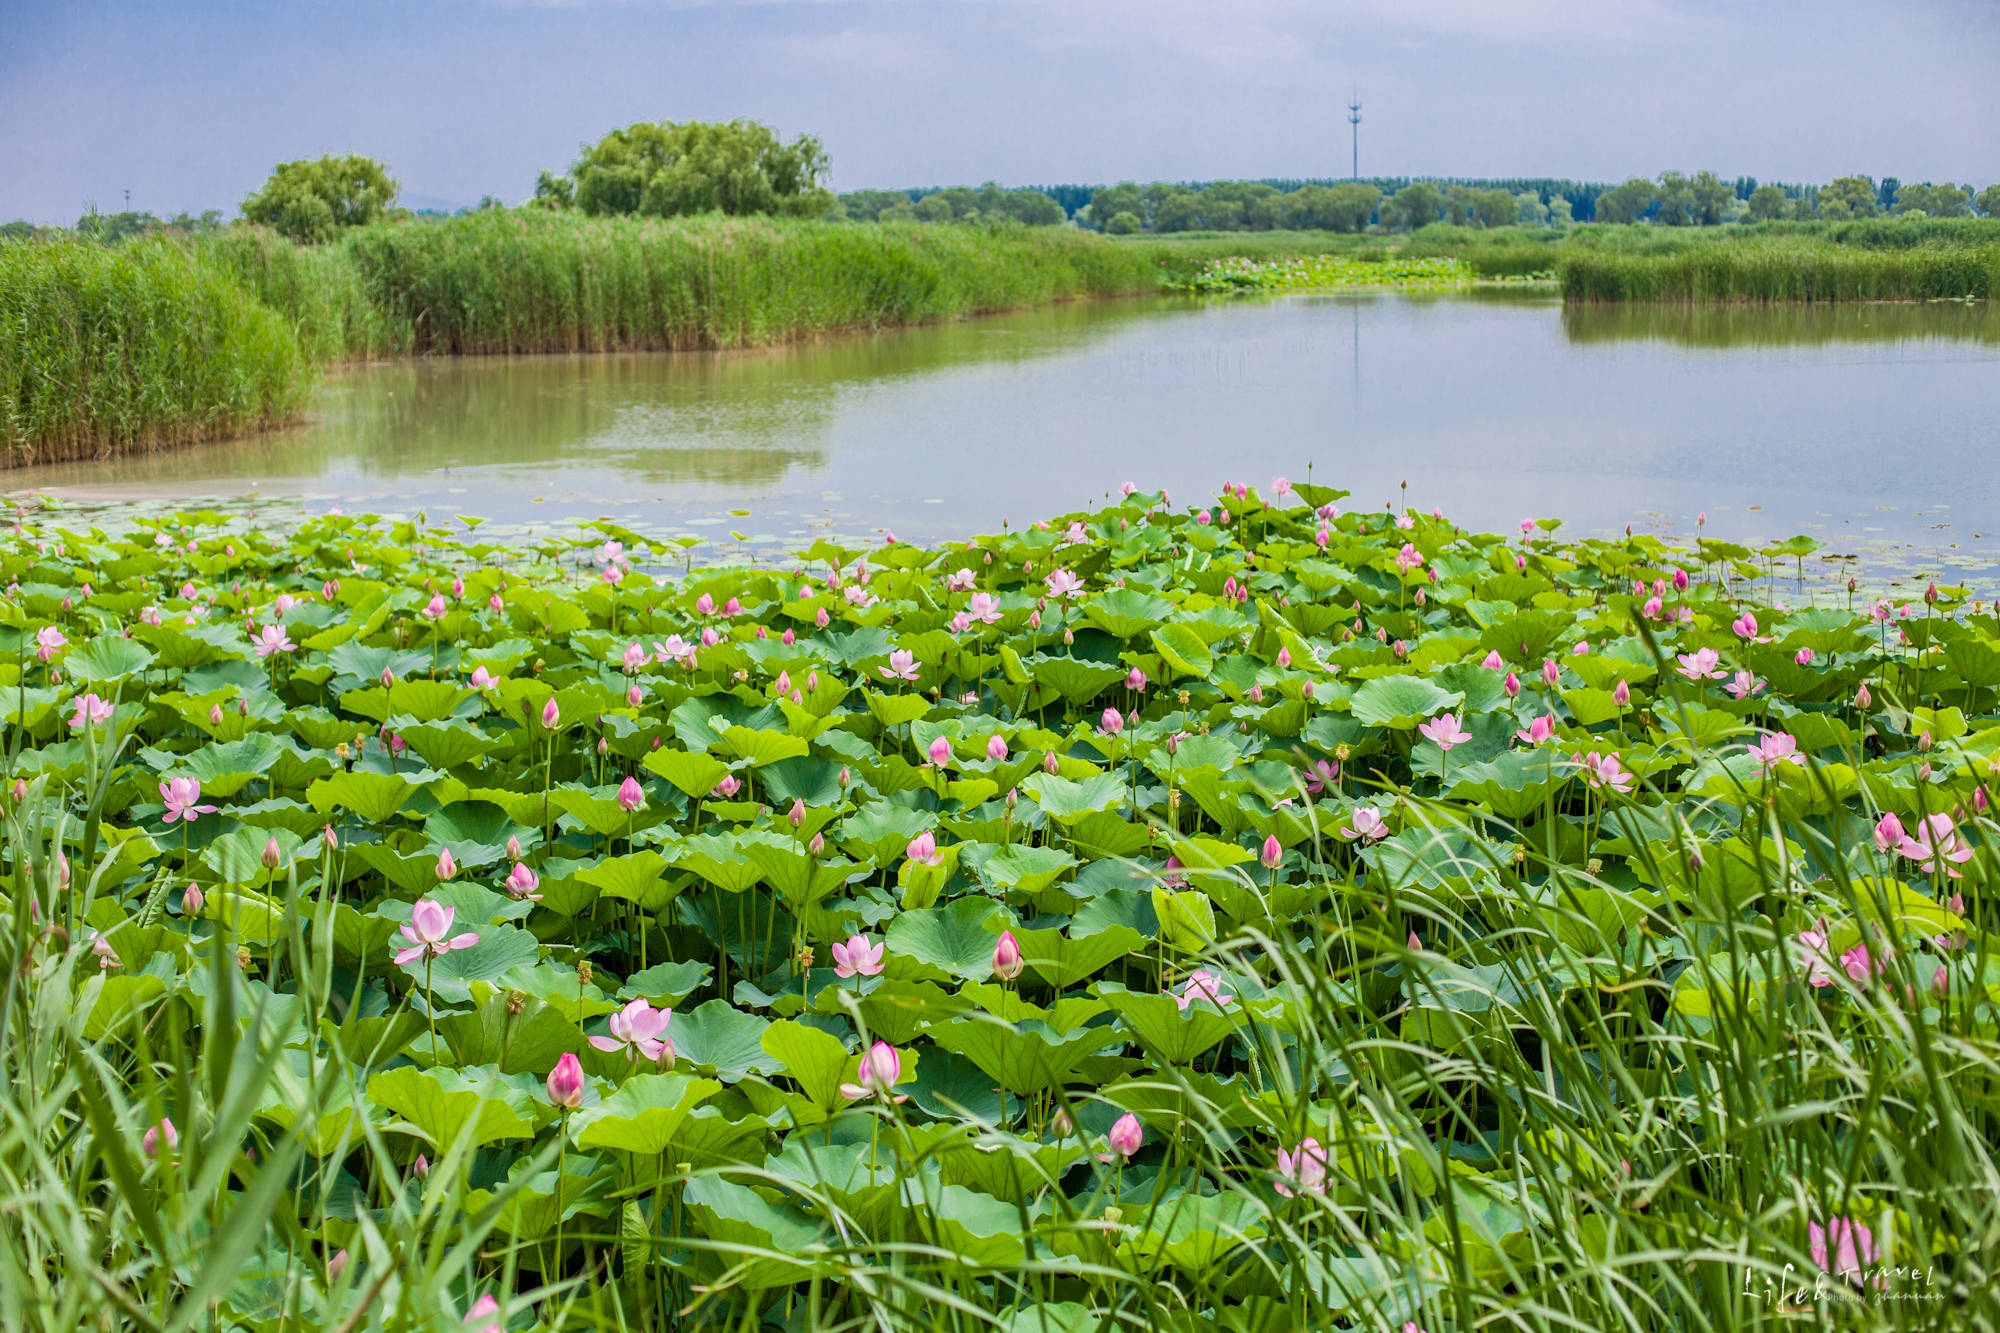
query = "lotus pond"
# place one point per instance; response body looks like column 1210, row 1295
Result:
column 1241, row 914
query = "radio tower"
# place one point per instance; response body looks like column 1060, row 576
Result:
column 1354, row 120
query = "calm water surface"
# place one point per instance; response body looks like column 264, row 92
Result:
column 1876, row 428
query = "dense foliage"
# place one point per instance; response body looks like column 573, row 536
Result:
column 1258, row 916
column 313, row 201
column 663, row 170
column 129, row 348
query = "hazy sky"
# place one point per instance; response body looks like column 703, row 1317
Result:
column 189, row 105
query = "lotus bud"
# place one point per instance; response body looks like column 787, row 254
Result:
column 326, row 835
column 446, row 867
column 818, row 844
column 272, row 855
column 1923, row 740
column 421, row 1168
column 796, row 816
column 215, row 715
column 630, row 796
column 388, row 678
column 845, row 777
column 996, row 746
column 939, row 751
column 192, row 900
column 551, row 715
column 1862, row 699
column 1112, row 722
column 1049, row 763
column 1621, row 694
column 149, row 1143
column 1034, row 619
column 1273, row 853
column 1306, row 691
column 1126, row 1136
column 1007, row 957
column 603, row 747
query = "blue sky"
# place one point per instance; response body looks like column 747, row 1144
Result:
column 189, row 105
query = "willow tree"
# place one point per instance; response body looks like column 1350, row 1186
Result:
column 663, row 169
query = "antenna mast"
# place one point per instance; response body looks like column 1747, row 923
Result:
column 1354, row 120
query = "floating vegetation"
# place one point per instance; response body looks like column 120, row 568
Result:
column 1312, row 271
column 1163, row 917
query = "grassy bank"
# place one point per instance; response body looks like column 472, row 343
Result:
column 1782, row 269
column 116, row 349
column 161, row 342
column 1240, row 915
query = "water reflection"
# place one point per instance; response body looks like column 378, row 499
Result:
column 1868, row 426
column 1785, row 325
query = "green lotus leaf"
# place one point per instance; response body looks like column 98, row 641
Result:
column 644, row 1115
column 442, row 1105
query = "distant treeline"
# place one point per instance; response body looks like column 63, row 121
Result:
column 1406, row 203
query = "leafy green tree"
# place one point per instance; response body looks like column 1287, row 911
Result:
column 1768, row 203
column 1936, row 201
column 553, row 191
column 1560, row 213
column 1345, row 207
column 1847, row 197
column 1109, row 202
column 1033, row 208
column 1495, row 208
column 1710, row 199
column 1627, row 202
column 664, row 169
column 900, row 211
column 1529, row 210
column 935, row 207
column 1989, row 201
column 312, row 201
column 1415, row 205
column 1122, row 223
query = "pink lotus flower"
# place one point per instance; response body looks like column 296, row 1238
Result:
column 1062, row 583
column 1860, row 965
column 1007, row 962
column 1407, row 558
column 434, row 609
column 429, row 933
column 1368, row 825
column 1512, row 685
column 551, row 715
column 996, row 746
column 1539, row 730
column 1742, row 685
column 180, row 796
column 48, row 641
column 639, row 1030
column 1745, row 626
column 1492, row 661
column 272, row 640
column 923, row 849
column 1272, row 854
column 1551, row 673
column 1322, row 776
column 959, row 580
column 1621, row 694
column 857, row 957
column 482, row 679
column 1700, row 665
column 149, row 1142
column 1843, row 1248
column 446, row 867
column 880, row 1068
column 522, row 882
column 1112, row 722
column 939, row 752
column 726, row 788
column 1774, row 750
column 1862, row 699
column 1818, row 956
column 984, row 608
column 565, row 1082
column 1445, row 732
column 631, row 797
column 1305, row 1168
column 1201, row 984
column 902, row 666
column 1889, row 833
column 1803, row 657
column 90, row 710
column 1125, row 1139
column 1135, row 681
column 1604, row 770
column 1936, row 844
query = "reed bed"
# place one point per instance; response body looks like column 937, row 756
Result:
column 1783, row 269
column 132, row 348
